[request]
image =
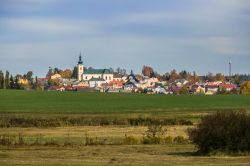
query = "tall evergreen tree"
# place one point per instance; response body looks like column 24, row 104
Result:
column 7, row 80
column 1, row 79
column 12, row 83
column 49, row 73
column 17, row 86
column 74, row 75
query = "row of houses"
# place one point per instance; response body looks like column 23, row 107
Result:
column 130, row 83
column 104, row 80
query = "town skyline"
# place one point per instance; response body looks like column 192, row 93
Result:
column 230, row 69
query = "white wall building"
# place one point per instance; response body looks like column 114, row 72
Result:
column 87, row 74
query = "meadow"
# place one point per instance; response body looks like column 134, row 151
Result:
column 84, row 102
column 81, row 128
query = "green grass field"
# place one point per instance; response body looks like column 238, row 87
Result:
column 30, row 114
column 83, row 102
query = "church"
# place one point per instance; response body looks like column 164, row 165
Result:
column 84, row 74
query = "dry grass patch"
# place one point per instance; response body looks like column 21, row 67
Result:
column 93, row 131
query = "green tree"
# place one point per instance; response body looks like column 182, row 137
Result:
column 183, row 74
column 56, row 70
column 29, row 76
column 166, row 77
column 12, row 83
column 17, row 86
column 1, row 79
column 226, row 131
column 74, row 74
column 236, row 79
column 7, row 80
column 49, row 73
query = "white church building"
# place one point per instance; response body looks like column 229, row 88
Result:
column 84, row 74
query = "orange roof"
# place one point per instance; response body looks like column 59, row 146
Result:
column 119, row 83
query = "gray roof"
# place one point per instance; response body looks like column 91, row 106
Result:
column 96, row 79
column 97, row 71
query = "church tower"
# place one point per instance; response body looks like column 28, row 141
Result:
column 80, row 68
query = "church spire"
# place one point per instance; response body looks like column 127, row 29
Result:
column 132, row 73
column 80, row 59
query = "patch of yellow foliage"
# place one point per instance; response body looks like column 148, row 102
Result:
column 245, row 87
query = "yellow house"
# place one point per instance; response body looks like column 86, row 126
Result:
column 56, row 76
column 23, row 81
column 82, row 84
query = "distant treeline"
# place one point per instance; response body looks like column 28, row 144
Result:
column 25, row 81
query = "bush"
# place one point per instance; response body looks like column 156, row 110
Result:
column 130, row 140
column 154, row 134
column 226, row 131
column 180, row 140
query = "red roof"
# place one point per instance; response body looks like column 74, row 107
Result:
column 115, row 82
column 228, row 86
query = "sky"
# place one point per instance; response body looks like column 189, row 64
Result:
column 192, row 35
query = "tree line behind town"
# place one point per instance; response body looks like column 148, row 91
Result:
column 8, row 81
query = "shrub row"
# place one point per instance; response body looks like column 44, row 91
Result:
column 61, row 121
column 21, row 140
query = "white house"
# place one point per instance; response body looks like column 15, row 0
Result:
column 96, row 82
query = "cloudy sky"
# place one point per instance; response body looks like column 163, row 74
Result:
column 200, row 35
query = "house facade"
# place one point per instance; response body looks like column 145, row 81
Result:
column 87, row 74
column 96, row 82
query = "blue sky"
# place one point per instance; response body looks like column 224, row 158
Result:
column 200, row 35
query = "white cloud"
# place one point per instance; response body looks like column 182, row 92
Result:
column 48, row 25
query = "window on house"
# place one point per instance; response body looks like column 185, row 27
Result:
column 109, row 78
column 86, row 77
column 106, row 78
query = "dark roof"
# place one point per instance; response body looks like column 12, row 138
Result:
column 132, row 78
column 117, row 75
column 96, row 79
column 97, row 71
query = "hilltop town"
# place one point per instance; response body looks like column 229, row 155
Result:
column 82, row 78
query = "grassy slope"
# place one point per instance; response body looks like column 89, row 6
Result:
column 30, row 101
